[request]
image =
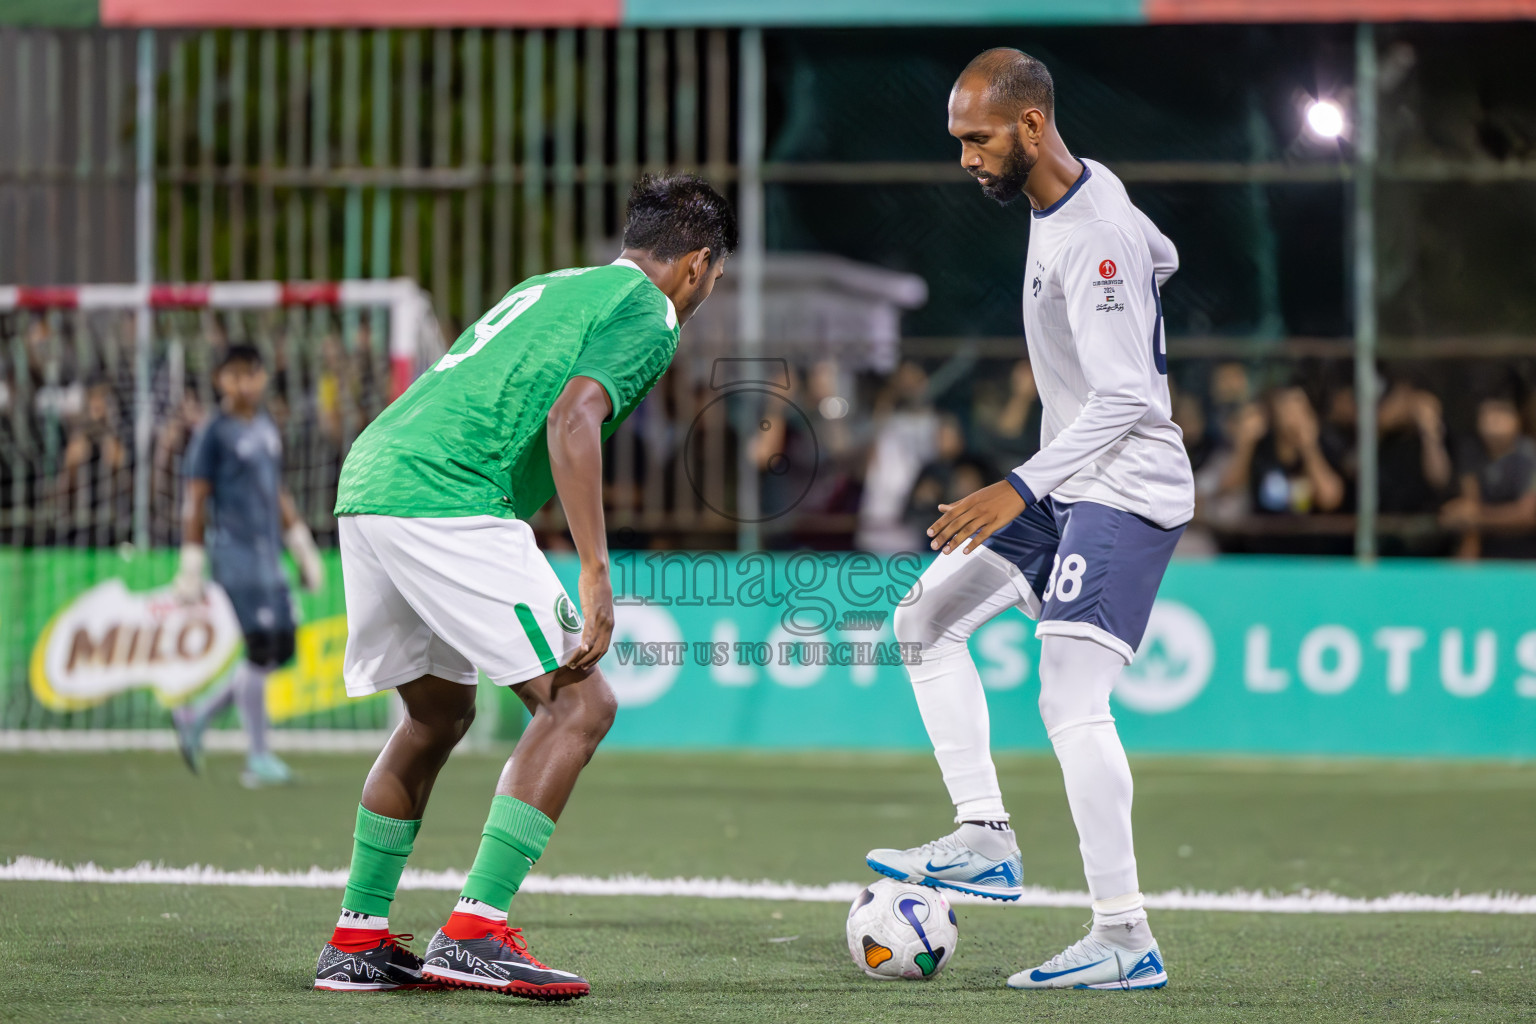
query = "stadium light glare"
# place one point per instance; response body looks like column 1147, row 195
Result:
column 1326, row 119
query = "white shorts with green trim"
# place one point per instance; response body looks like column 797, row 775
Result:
column 444, row 597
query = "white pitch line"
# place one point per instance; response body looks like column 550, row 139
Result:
column 35, row 869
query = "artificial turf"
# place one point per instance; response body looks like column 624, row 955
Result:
column 155, row 952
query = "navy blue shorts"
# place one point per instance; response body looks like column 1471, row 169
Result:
column 266, row 618
column 1095, row 569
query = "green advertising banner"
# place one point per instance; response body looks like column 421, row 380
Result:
column 1242, row 655
column 788, row 651
column 93, row 639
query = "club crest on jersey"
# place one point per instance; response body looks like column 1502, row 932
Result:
column 565, row 614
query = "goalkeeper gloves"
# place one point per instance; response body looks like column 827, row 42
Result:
column 187, row 587
column 301, row 545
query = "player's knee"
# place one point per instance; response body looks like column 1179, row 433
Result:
column 582, row 706
column 594, row 715
column 904, row 623
column 445, row 716
column 452, row 727
column 1076, row 677
column 600, row 708
column 269, row 649
column 914, row 622
column 1057, row 705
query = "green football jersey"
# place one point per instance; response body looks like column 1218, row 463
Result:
column 468, row 437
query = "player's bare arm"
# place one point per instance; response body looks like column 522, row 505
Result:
column 575, row 431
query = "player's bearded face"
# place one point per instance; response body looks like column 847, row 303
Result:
column 1008, row 183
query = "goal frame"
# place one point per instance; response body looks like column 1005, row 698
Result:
column 409, row 306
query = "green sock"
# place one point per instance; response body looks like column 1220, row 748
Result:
column 514, row 839
column 380, row 846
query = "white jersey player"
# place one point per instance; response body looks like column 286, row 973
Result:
column 1078, row 537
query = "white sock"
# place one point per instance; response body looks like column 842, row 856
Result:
column 220, row 696
column 995, row 843
column 954, row 597
column 1122, row 921
column 1076, row 676
column 478, row 909
column 954, row 710
column 352, row 919
column 251, row 693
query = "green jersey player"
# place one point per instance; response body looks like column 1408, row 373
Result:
column 443, row 577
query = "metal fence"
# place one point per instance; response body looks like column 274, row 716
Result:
column 464, row 159
column 468, row 159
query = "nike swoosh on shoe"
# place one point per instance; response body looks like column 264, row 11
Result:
column 944, row 867
column 1038, row 975
column 530, row 967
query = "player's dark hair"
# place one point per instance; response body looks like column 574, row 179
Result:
column 1015, row 81
column 674, row 214
column 243, row 355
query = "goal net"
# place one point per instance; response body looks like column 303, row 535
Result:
column 101, row 387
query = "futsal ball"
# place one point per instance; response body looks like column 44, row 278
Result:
column 897, row 930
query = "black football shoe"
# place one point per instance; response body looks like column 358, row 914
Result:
column 473, row 952
column 350, row 964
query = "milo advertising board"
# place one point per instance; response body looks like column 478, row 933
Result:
column 94, row 639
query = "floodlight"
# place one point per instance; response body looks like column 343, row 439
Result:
column 1326, row 119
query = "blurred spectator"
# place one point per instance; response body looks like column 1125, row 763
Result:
column 1414, row 468
column 1230, row 392
column 1208, row 459
column 1199, row 443
column 170, row 445
column 807, row 458
column 334, row 389
column 93, row 485
column 1007, row 418
column 1496, row 511
column 1279, row 457
column 906, row 428
column 953, row 473
column 55, row 381
column 1339, row 438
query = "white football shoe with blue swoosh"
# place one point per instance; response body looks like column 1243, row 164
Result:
column 952, row 863
column 1090, row 963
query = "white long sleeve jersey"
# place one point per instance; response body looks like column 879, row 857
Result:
column 1093, row 321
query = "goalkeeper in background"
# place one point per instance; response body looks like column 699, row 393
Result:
column 237, row 516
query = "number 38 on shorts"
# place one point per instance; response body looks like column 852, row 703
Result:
column 1092, row 570
column 1066, row 580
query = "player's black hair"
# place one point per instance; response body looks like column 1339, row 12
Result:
column 244, row 354
column 1015, row 81
column 674, row 214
